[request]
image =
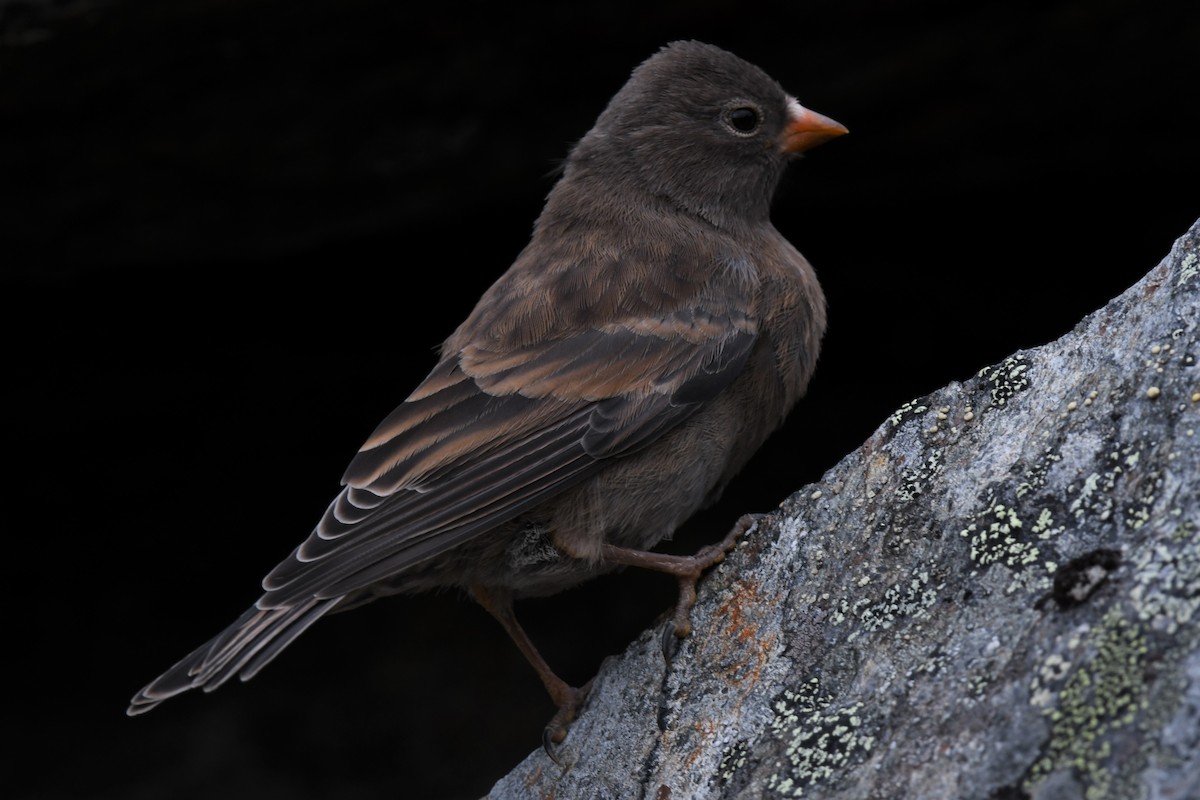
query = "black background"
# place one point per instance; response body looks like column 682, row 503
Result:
column 233, row 233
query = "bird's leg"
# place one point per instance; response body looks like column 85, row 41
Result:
column 498, row 603
column 687, row 569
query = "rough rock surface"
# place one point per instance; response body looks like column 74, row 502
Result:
column 996, row 596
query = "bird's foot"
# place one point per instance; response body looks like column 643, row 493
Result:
column 680, row 624
column 569, row 701
column 686, row 569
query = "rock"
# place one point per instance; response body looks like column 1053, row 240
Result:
column 996, row 596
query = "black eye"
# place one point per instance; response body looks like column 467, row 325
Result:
column 744, row 119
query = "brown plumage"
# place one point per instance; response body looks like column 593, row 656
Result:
column 653, row 333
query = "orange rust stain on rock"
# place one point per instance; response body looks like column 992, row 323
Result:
column 1153, row 284
column 532, row 777
column 708, row 731
column 744, row 648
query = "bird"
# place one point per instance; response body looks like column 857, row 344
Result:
column 653, row 333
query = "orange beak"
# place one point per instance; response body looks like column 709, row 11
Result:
column 806, row 129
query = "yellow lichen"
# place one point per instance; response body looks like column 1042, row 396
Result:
column 1099, row 698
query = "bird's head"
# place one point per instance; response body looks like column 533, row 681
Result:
column 700, row 128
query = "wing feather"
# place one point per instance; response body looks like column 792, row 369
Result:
column 498, row 435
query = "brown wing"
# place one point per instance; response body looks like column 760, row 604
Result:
column 492, row 432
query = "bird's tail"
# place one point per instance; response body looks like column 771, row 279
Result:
column 242, row 649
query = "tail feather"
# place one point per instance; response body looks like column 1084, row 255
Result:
column 266, row 652
column 242, row 649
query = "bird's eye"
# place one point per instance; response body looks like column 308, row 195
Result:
column 744, row 119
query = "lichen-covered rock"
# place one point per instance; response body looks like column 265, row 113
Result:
column 996, row 596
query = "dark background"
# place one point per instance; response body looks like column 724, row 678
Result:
column 232, row 233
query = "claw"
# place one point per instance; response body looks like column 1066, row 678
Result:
column 550, row 738
column 555, row 732
column 670, row 642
